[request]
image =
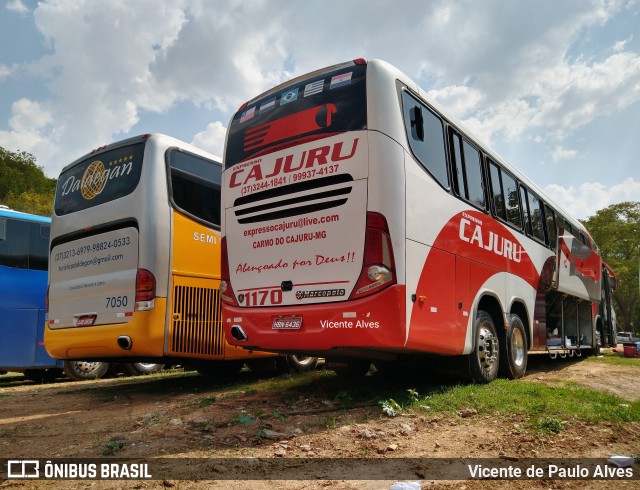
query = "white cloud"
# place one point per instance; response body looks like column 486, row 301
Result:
column 110, row 62
column 583, row 201
column 17, row 6
column 30, row 130
column 560, row 153
column 460, row 100
column 211, row 139
column 621, row 45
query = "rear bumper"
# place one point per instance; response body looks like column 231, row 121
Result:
column 146, row 330
column 377, row 321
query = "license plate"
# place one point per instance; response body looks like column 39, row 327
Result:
column 86, row 320
column 287, row 323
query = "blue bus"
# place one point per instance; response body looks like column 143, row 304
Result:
column 24, row 253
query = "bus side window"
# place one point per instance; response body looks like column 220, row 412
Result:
column 535, row 210
column 552, row 234
column 38, row 247
column 467, row 171
column 14, row 249
column 525, row 210
column 511, row 199
column 195, row 185
column 497, row 197
column 425, row 132
column 473, row 172
column 458, row 171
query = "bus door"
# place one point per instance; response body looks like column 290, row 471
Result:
column 578, row 268
column 606, row 307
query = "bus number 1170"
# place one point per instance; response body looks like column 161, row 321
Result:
column 259, row 298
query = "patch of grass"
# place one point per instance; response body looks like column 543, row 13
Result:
column 616, row 359
column 279, row 416
column 549, row 425
column 545, row 405
column 328, row 422
column 243, row 419
column 111, row 447
column 205, row 401
column 344, row 399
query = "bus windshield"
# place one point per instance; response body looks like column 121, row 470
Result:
column 327, row 103
column 98, row 179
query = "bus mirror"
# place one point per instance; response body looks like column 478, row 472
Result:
column 417, row 123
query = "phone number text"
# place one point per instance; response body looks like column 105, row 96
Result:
column 94, row 247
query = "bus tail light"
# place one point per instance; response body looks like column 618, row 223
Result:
column 378, row 265
column 145, row 290
column 226, row 291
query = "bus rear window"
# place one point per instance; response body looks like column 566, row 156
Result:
column 98, row 179
column 321, row 105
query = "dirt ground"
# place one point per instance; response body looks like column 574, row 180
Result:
column 188, row 417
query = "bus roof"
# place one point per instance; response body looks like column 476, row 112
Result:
column 6, row 212
column 136, row 139
column 402, row 77
column 391, row 71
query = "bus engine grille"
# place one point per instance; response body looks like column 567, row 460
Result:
column 196, row 325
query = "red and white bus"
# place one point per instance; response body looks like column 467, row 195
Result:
column 362, row 222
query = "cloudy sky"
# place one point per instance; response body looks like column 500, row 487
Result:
column 552, row 85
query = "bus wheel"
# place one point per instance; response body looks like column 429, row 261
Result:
column 513, row 350
column 141, row 368
column 85, row 370
column 42, row 375
column 483, row 361
column 296, row 364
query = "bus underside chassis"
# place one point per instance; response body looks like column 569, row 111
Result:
column 43, row 375
column 283, row 364
column 569, row 326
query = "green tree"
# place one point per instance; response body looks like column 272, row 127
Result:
column 23, row 184
column 616, row 230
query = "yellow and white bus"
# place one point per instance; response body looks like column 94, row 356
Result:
column 134, row 264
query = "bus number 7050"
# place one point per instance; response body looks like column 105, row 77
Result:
column 116, row 301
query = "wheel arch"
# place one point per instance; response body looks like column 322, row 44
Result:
column 490, row 304
column 518, row 307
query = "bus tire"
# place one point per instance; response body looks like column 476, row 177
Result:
column 484, row 360
column 513, row 350
column 85, row 370
column 42, row 375
column 141, row 368
column 296, row 364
